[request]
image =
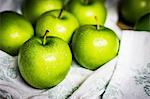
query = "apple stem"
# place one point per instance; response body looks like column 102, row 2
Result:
column 45, row 35
column 97, row 24
column 59, row 16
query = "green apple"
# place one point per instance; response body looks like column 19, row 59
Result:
column 44, row 63
column 60, row 23
column 86, row 10
column 93, row 46
column 143, row 24
column 14, row 31
column 32, row 9
column 132, row 10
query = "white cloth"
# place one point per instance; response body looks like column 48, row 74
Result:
column 131, row 79
column 95, row 85
column 13, row 5
column 112, row 13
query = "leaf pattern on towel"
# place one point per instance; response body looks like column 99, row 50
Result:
column 5, row 95
column 113, row 92
column 143, row 78
column 2, row 75
column 147, row 89
column 12, row 73
column 7, row 68
column 66, row 89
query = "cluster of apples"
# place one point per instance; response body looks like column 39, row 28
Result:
column 45, row 56
column 135, row 13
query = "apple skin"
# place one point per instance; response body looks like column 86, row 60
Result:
column 33, row 9
column 14, row 31
column 44, row 66
column 94, row 47
column 85, row 13
column 62, row 27
column 143, row 24
column 132, row 10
